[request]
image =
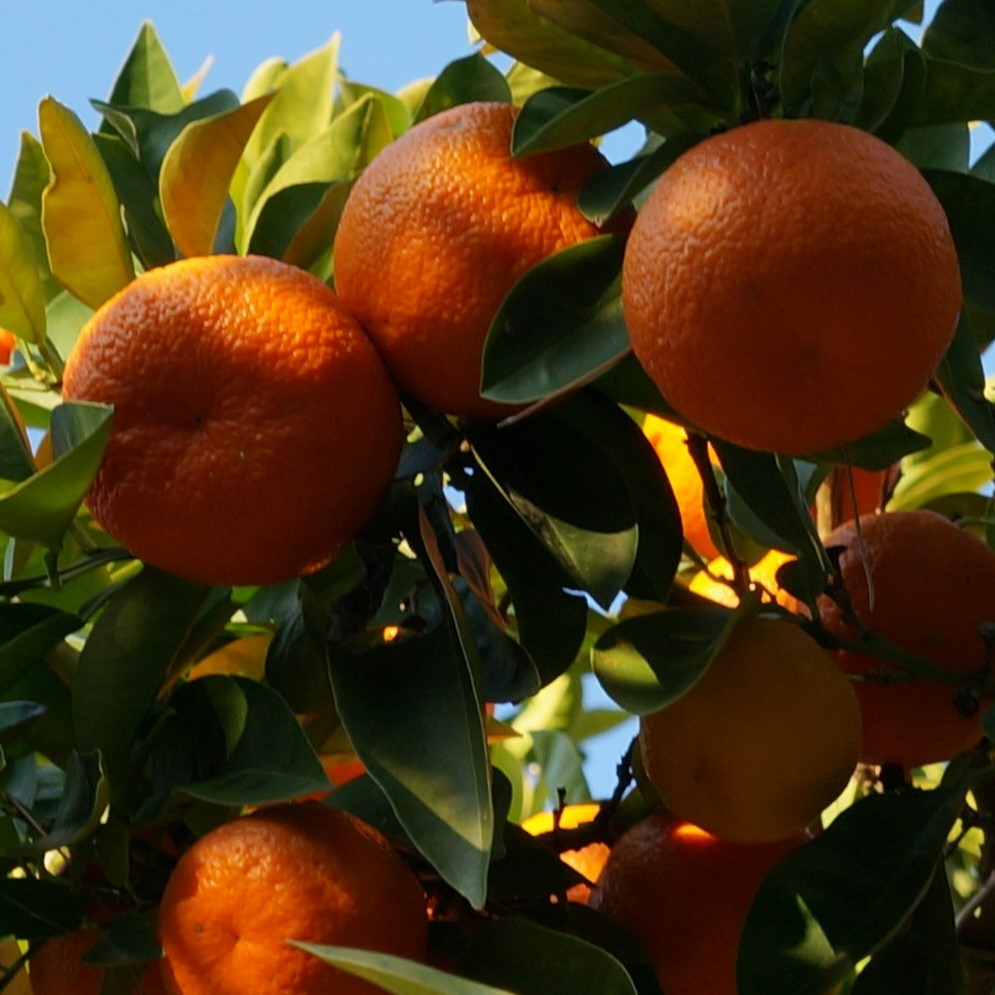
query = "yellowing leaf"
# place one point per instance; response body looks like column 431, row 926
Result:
column 22, row 299
column 197, row 172
column 81, row 215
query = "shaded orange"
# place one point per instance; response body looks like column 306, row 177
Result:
column 670, row 442
column 762, row 743
column 56, row 968
column 684, row 894
column 293, row 872
column 763, row 574
column 934, row 585
column 436, row 231
column 255, row 429
column 790, row 285
column 587, row 860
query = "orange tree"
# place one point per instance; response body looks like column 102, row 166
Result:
column 511, row 561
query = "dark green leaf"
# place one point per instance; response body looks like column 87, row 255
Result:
column 962, row 377
column 969, row 202
column 33, row 909
column 956, row 93
column 518, row 953
column 648, row 661
column 16, row 714
column 234, row 741
column 567, row 490
column 846, row 892
column 461, row 82
column 415, row 721
column 151, row 628
column 129, row 939
column 923, row 958
column 16, row 461
column 281, row 222
column 561, row 324
column 559, row 117
column 938, row 146
column 962, row 31
column 880, row 449
column 551, row 621
column 885, row 79
column 147, row 78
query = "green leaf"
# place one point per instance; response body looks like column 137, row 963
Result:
column 924, row 957
column 42, row 506
column 559, row 117
column 518, row 953
column 969, row 203
column 147, row 78
column 434, row 770
column 885, row 79
column 28, row 633
column 961, row 375
column 567, row 490
column 22, row 296
column 846, row 892
column 960, row 469
column 87, row 247
column 880, row 449
column 197, row 172
column 962, row 31
column 560, row 325
column 463, row 81
column 956, row 93
column 16, row 460
column 522, row 32
column 14, row 715
column 151, row 628
column 302, row 106
column 395, row 974
column 234, row 741
column 646, row 662
column 31, row 176
column 84, row 801
column 551, row 621
column 33, row 909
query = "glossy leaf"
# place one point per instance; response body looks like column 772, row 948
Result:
column 560, row 325
column 508, row 950
column 646, row 662
column 434, row 772
column 87, row 247
column 31, row 176
column 152, row 627
column 22, row 297
column 962, row 31
column 558, row 117
column 42, row 506
column 523, row 33
column 234, row 741
column 959, row 469
column 396, row 974
column 885, row 79
column 461, row 82
column 197, row 172
column 962, row 378
column 147, row 78
column 846, row 892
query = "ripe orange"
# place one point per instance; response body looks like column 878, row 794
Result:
column 292, row 872
column 684, row 894
column 7, row 345
column 670, row 442
column 791, row 285
column 762, row 743
column 255, row 429
column 934, row 585
column 587, row 860
column 56, row 968
column 436, row 231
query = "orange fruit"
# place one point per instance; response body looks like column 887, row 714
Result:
column 670, row 442
column 684, row 894
column 56, row 968
column 292, row 872
column 791, row 285
column 255, row 429
column 587, row 860
column 834, row 501
column 436, row 231
column 762, row 743
column 7, row 345
column 763, row 574
column 934, row 585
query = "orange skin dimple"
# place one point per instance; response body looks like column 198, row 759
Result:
column 791, row 285
column 435, row 233
column 255, row 429
column 293, row 872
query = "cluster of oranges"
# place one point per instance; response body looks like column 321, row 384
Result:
column 258, row 424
